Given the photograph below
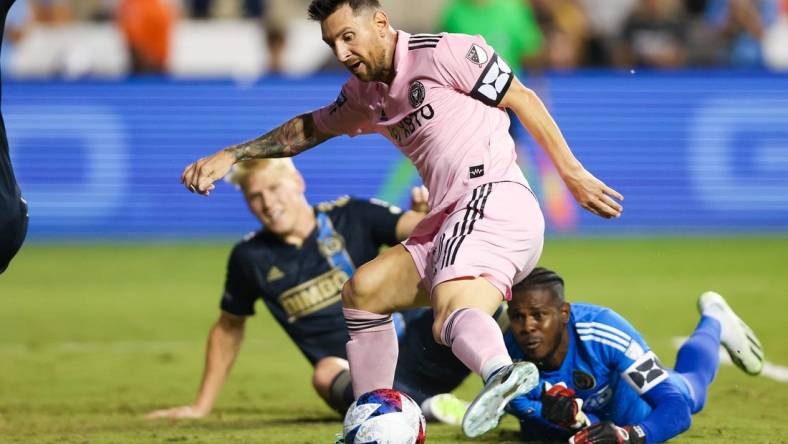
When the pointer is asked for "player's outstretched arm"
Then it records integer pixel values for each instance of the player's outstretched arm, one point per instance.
(590, 192)
(293, 137)
(224, 342)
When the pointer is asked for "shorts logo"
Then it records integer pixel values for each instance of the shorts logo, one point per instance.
(583, 380)
(477, 55)
(476, 171)
(645, 373)
(416, 94)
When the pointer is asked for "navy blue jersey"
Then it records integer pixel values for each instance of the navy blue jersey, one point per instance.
(607, 363)
(298, 284)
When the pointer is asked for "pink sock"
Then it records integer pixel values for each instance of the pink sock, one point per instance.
(476, 339)
(372, 350)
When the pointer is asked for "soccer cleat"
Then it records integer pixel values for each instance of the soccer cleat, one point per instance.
(486, 410)
(445, 408)
(339, 438)
(737, 338)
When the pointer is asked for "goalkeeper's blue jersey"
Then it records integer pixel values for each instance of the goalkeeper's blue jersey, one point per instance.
(607, 363)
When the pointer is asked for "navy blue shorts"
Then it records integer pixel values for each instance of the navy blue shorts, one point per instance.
(13, 212)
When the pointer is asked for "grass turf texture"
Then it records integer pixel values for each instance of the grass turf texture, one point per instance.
(93, 337)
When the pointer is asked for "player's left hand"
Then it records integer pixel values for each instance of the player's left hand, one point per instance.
(182, 412)
(198, 177)
(609, 433)
(419, 197)
(560, 406)
(593, 195)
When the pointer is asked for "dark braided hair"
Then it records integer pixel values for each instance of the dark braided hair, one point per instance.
(542, 278)
(319, 10)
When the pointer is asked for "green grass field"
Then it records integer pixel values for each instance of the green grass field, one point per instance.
(93, 337)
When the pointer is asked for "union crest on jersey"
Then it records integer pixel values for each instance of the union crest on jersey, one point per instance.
(416, 94)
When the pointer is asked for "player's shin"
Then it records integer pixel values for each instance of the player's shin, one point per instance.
(475, 338)
(372, 350)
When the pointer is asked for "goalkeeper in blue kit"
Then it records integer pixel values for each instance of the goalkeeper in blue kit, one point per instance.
(599, 381)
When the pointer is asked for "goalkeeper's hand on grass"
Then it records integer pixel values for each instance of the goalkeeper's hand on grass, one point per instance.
(609, 433)
(182, 412)
(560, 406)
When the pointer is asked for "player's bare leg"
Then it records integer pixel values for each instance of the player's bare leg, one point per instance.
(463, 321)
(387, 283)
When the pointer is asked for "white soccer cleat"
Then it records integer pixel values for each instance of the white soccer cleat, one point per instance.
(737, 338)
(445, 408)
(486, 410)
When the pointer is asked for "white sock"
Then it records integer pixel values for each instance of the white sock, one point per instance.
(493, 365)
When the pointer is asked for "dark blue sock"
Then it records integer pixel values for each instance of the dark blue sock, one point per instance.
(698, 359)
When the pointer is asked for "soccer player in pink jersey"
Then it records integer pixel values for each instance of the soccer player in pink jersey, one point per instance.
(440, 98)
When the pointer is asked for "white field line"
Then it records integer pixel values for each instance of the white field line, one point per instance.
(772, 371)
(84, 347)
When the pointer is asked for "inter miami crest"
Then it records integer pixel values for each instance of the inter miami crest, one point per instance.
(416, 94)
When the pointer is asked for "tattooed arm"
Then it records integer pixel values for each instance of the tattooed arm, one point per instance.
(293, 137)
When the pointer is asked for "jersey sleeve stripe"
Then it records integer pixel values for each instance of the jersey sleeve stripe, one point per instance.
(432, 45)
(604, 341)
(424, 39)
(606, 327)
(603, 334)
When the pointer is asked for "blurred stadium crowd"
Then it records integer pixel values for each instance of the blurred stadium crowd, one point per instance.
(249, 38)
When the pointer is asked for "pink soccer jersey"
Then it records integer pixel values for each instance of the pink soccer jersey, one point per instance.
(440, 111)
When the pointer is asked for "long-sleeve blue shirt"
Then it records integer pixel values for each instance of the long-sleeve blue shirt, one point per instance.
(612, 369)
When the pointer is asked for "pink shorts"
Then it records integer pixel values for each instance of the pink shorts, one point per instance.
(496, 231)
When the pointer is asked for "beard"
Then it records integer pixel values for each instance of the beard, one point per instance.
(376, 69)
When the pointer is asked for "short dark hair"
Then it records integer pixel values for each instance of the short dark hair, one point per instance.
(542, 278)
(319, 10)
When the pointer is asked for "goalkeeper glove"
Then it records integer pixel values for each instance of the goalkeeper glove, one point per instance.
(609, 433)
(560, 406)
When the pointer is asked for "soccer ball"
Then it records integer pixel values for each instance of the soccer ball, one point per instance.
(384, 416)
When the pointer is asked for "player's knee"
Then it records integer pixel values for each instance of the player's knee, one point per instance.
(360, 291)
(331, 380)
(326, 370)
(436, 332)
(437, 327)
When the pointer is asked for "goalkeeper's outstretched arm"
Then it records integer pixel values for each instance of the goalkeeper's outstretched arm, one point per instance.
(670, 416)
